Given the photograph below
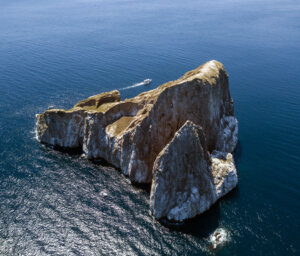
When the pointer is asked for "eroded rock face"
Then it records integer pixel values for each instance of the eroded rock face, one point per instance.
(130, 134)
(138, 134)
(65, 128)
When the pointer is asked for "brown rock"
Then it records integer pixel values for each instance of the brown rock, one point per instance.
(130, 134)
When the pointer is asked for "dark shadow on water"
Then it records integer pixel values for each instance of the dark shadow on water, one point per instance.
(63, 150)
(200, 226)
(232, 195)
(103, 163)
(143, 186)
(237, 154)
(69, 151)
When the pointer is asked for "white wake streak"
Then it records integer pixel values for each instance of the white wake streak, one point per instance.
(134, 85)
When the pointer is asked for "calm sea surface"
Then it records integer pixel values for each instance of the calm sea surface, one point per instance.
(58, 52)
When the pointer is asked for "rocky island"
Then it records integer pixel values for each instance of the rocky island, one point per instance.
(179, 137)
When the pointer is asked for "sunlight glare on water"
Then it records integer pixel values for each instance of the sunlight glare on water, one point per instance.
(55, 53)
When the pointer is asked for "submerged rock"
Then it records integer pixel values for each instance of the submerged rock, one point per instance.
(132, 134)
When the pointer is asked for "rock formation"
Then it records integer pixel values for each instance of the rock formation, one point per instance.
(186, 179)
(182, 185)
(137, 135)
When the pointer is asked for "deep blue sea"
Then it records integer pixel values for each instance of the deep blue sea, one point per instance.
(58, 52)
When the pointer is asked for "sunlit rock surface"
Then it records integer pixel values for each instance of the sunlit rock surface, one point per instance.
(65, 128)
(131, 134)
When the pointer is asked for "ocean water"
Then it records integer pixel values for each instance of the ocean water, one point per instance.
(58, 52)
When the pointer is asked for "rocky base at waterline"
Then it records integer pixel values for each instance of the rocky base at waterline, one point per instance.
(187, 179)
(179, 137)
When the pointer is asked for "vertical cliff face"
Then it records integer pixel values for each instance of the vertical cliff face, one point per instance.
(131, 134)
(183, 185)
(65, 128)
(202, 99)
(61, 128)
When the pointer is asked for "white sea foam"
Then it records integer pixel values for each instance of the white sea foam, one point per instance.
(103, 193)
(34, 132)
(83, 155)
(145, 82)
(219, 238)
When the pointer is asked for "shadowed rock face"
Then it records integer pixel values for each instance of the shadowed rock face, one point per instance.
(131, 134)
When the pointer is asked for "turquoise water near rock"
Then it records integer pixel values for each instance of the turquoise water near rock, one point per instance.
(58, 52)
